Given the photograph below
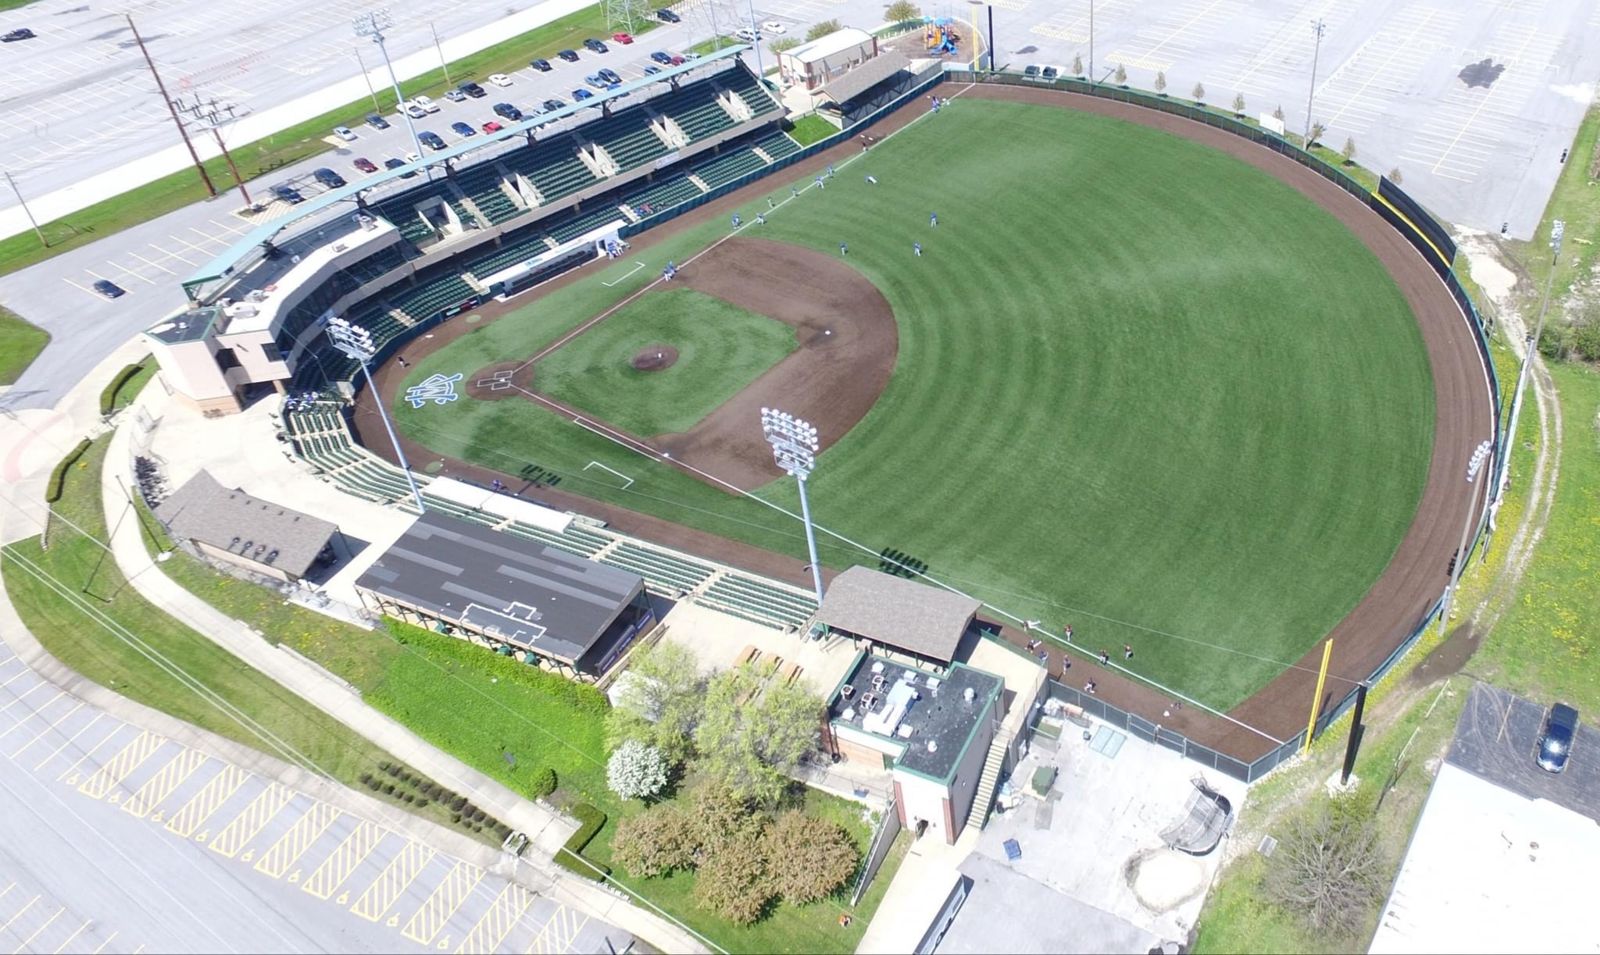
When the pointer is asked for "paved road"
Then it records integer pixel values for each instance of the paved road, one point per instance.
(115, 838)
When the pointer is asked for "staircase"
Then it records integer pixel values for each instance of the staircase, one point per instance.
(983, 799)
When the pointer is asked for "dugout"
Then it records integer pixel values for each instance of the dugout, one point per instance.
(866, 89)
(899, 617)
(517, 596)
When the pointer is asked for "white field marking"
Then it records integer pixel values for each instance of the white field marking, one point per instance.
(636, 267)
(597, 464)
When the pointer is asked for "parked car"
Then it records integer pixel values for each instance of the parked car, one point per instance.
(581, 94)
(651, 70)
(327, 177)
(104, 287)
(676, 59)
(667, 16)
(595, 80)
(463, 129)
(594, 46)
(492, 127)
(345, 133)
(414, 111)
(662, 57)
(1555, 740)
(542, 65)
(455, 96)
(365, 165)
(377, 122)
(691, 55)
(425, 102)
(1050, 72)
(623, 38)
(571, 56)
(392, 163)
(432, 140)
(474, 90)
(610, 76)
(747, 35)
(774, 27)
(499, 79)
(287, 193)
(507, 111)
(553, 103)
(23, 33)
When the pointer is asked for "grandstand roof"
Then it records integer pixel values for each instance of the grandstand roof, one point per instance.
(221, 267)
(865, 77)
(927, 621)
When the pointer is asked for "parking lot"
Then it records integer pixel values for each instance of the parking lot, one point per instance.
(115, 838)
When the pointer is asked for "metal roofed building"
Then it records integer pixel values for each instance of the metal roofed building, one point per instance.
(936, 729)
(925, 622)
(562, 611)
(815, 63)
(228, 524)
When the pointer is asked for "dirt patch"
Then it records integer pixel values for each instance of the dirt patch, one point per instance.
(655, 358)
(505, 379)
(1447, 658)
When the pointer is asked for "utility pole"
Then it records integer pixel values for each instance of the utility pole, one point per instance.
(368, 77)
(26, 211)
(1091, 39)
(162, 88)
(439, 50)
(1558, 229)
(372, 24)
(1317, 27)
(214, 116)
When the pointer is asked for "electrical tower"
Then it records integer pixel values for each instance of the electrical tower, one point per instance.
(627, 15)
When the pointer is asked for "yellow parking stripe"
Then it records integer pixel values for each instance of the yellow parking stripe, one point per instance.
(164, 783)
(497, 923)
(442, 904)
(392, 881)
(343, 860)
(205, 802)
(558, 933)
(127, 759)
(252, 820)
(306, 830)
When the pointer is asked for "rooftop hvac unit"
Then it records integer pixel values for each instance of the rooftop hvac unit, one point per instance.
(969, 694)
(256, 295)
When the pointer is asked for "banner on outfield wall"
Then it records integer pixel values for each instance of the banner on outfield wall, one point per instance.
(1271, 123)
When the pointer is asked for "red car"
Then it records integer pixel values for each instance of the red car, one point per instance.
(623, 38)
(677, 59)
(366, 165)
(492, 127)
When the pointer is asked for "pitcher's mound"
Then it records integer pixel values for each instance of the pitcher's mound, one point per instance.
(655, 358)
(506, 379)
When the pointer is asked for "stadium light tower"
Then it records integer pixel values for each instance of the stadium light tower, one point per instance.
(356, 342)
(1558, 229)
(372, 24)
(1480, 456)
(1317, 28)
(794, 449)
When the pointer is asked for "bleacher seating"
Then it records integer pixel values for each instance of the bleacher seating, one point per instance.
(593, 219)
(733, 163)
(554, 168)
(663, 571)
(374, 266)
(664, 195)
(424, 300)
(777, 144)
(628, 138)
(507, 255)
(756, 600)
(400, 209)
(481, 183)
(750, 90)
(698, 113)
(576, 539)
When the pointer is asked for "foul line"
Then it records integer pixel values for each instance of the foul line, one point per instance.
(636, 267)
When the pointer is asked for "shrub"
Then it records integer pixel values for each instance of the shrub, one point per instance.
(636, 770)
(388, 789)
(391, 769)
(809, 857)
(459, 803)
(58, 477)
(570, 857)
(409, 797)
(366, 778)
(653, 843)
(734, 882)
(108, 397)
(542, 782)
(374, 785)
(820, 30)
(455, 817)
(405, 776)
(478, 815)
(422, 803)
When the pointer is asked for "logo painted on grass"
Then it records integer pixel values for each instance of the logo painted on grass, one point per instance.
(435, 388)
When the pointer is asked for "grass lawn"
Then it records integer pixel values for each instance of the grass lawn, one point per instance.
(20, 344)
(1577, 203)
(1177, 463)
(812, 128)
(293, 144)
(721, 349)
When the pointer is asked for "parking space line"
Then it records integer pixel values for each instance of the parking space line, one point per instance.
(491, 930)
(343, 860)
(306, 830)
(442, 904)
(107, 942)
(154, 265)
(70, 777)
(70, 740)
(36, 711)
(208, 237)
(165, 781)
(205, 802)
(251, 820)
(80, 288)
(47, 730)
(392, 881)
(18, 913)
(23, 695)
(119, 766)
(180, 239)
(36, 931)
(71, 938)
(20, 673)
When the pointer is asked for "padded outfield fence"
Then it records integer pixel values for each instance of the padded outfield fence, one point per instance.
(1432, 241)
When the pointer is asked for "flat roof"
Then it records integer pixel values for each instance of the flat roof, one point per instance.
(825, 46)
(900, 613)
(915, 708)
(190, 325)
(535, 597)
(231, 520)
(222, 265)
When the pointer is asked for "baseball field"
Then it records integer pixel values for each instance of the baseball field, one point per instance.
(1130, 383)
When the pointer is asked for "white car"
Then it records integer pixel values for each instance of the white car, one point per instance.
(500, 79)
(344, 133)
(747, 35)
(413, 157)
(426, 103)
(415, 111)
(774, 27)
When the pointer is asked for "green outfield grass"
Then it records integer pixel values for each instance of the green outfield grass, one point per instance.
(1141, 388)
(721, 349)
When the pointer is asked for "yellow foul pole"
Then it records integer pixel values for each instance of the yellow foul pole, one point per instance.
(1316, 701)
(976, 56)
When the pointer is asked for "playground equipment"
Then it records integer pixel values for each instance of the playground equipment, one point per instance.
(940, 35)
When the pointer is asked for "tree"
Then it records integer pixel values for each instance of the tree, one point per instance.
(637, 770)
(1349, 150)
(901, 11)
(658, 841)
(822, 29)
(1199, 93)
(809, 858)
(1238, 104)
(1329, 867)
(1394, 175)
(734, 882)
(785, 43)
(1317, 129)
(1121, 76)
(659, 701)
(1161, 83)
(752, 733)
(1077, 64)
(721, 817)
